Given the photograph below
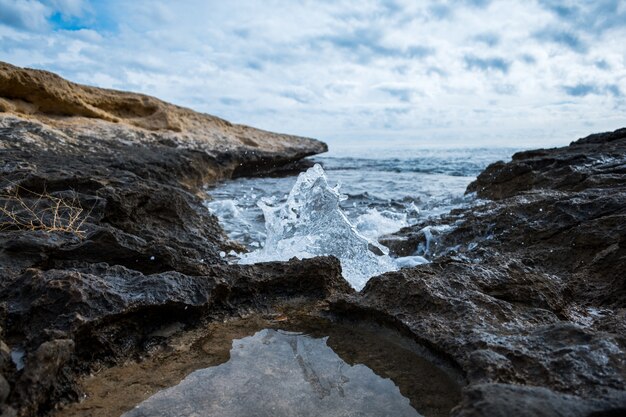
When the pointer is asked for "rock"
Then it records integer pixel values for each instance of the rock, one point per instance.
(7, 371)
(104, 236)
(77, 300)
(501, 400)
(524, 292)
(71, 114)
(594, 162)
(452, 308)
(44, 377)
(5, 389)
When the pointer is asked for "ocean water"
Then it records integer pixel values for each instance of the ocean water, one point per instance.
(366, 193)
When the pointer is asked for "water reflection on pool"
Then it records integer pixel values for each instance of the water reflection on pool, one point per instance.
(278, 373)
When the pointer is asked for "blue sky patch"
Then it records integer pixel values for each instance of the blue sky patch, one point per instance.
(564, 38)
(66, 23)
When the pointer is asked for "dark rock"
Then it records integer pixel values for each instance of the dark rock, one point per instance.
(44, 378)
(501, 400)
(456, 309)
(525, 289)
(74, 299)
(597, 161)
(5, 389)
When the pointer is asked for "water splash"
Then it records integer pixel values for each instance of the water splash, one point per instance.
(373, 223)
(311, 223)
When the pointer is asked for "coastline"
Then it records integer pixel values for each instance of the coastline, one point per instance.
(515, 314)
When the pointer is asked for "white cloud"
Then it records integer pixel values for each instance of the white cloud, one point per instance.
(347, 70)
(24, 14)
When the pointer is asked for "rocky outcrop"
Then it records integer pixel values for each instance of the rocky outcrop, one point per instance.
(103, 232)
(123, 117)
(592, 163)
(526, 291)
(80, 120)
(72, 318)
(105, 247)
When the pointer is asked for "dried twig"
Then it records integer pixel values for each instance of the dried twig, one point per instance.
(42, 211)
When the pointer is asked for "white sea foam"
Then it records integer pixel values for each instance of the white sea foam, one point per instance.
(374, 224)
(236, 222)
(431, 234)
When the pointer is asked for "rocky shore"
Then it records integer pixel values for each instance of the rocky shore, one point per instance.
(103, 235)
(105, 242)
(526, 291)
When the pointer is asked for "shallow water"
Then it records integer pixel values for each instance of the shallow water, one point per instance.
(278, 365)
(276, 373)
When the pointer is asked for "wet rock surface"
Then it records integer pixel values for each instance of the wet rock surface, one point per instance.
(526, 291)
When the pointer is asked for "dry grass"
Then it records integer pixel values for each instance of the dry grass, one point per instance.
(28, 210)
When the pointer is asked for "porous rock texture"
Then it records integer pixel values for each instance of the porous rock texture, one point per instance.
(527, 289)
(104, 237)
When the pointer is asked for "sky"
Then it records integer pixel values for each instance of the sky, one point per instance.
(352, 73)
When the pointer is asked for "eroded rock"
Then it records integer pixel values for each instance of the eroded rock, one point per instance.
(104, 236)
(525, 289)
(502, 400)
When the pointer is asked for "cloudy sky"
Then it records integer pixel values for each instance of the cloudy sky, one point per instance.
(456, 72)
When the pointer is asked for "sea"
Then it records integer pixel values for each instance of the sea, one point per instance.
(373, 191)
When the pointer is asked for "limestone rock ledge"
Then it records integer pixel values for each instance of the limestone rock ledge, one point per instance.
(78, 119)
